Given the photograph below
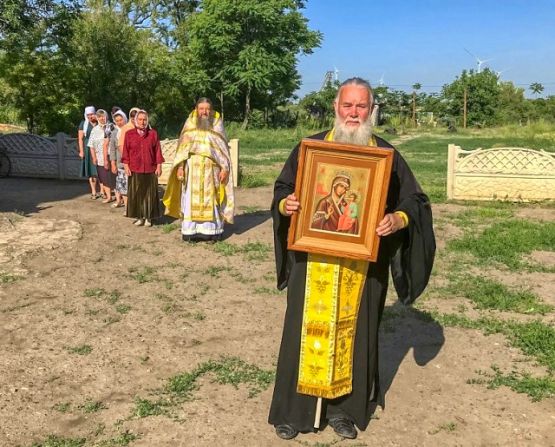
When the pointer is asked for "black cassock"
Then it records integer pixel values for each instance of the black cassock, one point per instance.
(409, 252)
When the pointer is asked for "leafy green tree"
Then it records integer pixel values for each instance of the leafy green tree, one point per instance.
(415, 88)
(248, 48)
(319, 105)
(536, 88)
(33, 67)
(512, 106)
(482, 96)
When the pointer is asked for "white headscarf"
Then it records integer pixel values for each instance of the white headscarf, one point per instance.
(88, 110)
(141, 131)
(122, 114)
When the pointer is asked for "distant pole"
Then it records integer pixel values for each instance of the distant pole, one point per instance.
(414, 109)
(465, 106)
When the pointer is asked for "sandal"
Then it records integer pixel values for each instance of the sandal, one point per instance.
(116, 205)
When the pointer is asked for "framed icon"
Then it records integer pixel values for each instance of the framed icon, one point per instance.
(342, 190)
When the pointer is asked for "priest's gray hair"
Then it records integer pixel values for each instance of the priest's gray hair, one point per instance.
(356, 81)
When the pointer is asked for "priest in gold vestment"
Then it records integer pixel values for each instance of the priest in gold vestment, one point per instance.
(200, 185)
(329, 346)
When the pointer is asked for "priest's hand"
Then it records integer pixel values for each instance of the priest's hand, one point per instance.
(158, 171)
(180, 173)
(127, 170)
(224, 176)
(390, 224)
(292, 205)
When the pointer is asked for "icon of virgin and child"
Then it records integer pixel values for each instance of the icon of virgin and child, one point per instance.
(338, 211)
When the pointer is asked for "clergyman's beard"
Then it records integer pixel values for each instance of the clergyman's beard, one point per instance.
(359, 135)
(205, 123)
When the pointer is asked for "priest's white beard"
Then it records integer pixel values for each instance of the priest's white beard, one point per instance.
(359, 135)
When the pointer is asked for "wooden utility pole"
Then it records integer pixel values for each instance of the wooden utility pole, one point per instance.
(414, 109)
(464, 106)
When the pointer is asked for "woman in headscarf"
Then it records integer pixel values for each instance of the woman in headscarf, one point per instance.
(88, 169)
(142, 159)
(98, 142)
(115, 158)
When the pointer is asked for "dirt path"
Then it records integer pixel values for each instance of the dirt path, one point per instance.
(107, 312)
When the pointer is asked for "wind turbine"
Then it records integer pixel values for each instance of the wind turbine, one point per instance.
(380, 81)
(479, 61)
(498, 73)
(336, 73)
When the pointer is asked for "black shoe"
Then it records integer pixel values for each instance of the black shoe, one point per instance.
(344, 427)
(286, 431)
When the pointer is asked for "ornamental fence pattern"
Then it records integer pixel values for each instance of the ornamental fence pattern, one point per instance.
(504, 173)
(58, 157)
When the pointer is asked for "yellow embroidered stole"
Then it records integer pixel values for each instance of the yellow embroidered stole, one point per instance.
(201, 182)
(332, 298)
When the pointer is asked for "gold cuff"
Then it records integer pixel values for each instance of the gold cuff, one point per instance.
(404, 217)
(281, 207)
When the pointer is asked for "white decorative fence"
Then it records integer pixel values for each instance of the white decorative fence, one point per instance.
(505, 173)
(58, 156)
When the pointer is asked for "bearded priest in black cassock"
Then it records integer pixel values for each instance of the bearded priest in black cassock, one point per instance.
(407, 246)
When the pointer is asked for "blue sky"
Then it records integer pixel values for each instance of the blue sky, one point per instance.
(424, 41)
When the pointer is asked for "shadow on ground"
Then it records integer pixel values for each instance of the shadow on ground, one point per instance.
(410, 329)
(27, 195)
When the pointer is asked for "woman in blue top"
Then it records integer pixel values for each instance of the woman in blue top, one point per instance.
(88, 169)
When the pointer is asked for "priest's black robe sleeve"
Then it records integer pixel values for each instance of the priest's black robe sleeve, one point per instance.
(412, 250)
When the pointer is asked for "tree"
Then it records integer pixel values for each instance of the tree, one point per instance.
(249, 48)
(415, 88)
(319, 105)
(536, 88)
(482, 91)
(512, 107)
(32, 62)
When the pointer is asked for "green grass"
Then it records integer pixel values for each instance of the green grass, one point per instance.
(145, 407)
(121, 440)
(537, 388)
(447, 427)
(169, 227)
(62, 407)
(263, 290)
(505, 242)
(90, 406)
(534, 338)
(215, 270)
(57, 441)
(123, 308)
(252, 251)
(484, 214)
(226, 370)
(489, 294)
(143, 274)
(95, 292)
(8, 278)
(81, 350)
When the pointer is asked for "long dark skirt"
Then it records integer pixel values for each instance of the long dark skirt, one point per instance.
(290, 407)
(88, 168)
(142, 196)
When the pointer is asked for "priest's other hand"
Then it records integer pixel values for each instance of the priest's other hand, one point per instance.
(224, 176)
(292, 205)
(390, 224)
